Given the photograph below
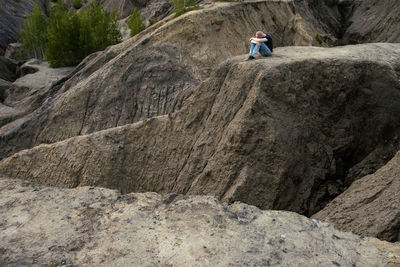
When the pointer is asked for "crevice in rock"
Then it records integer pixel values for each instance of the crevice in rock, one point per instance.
(352, 163)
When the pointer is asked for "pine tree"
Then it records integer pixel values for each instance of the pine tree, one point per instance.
(136, 23)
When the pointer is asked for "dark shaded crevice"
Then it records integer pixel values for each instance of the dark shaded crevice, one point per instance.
(352, 163)
(346, 10)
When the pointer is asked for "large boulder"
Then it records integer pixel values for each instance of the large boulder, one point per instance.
(153, 73)
(371, 206)
(279, 132)
(95, 226)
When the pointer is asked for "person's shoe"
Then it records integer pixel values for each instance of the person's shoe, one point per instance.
(250, 58)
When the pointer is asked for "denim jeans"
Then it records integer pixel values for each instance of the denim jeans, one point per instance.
(263, 49)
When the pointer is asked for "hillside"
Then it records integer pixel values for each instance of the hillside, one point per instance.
(149, 75)
(170, 148)
(280, 133)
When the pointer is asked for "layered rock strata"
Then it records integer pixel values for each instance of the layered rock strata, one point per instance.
(280, 132)
(151, 74)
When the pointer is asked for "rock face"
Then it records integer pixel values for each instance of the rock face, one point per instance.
(94, 226)
(153, 73)
(344, 22)
(373, 21)
(12, 14)
(150, 10)
(371, 206)
(8, 69)
(28, 93)
(279, 132)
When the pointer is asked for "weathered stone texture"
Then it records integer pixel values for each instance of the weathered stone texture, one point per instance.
(93, 226)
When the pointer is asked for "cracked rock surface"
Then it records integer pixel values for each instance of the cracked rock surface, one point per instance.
(371, 206)
(280, 133)
(95, 226)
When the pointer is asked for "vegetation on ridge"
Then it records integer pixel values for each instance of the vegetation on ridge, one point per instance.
(182, 6)
(66, 38)
(136, 23)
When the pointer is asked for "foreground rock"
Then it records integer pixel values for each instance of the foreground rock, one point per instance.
(371, 206)
(154, 72)
(94, 226)
(279, 132)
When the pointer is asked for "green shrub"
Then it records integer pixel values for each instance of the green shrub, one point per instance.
(62, 46)
(71, 37)
(136, 23)
(182, 6)
(319, 38)
(77, 4)
(34, 32)
(273, 17)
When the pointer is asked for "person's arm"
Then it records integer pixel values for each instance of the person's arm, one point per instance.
(259, 40)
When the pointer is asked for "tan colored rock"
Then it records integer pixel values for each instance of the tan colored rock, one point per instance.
(94, 226)
(28, 93)
(371, 206)
(279, 132)
(153, 73)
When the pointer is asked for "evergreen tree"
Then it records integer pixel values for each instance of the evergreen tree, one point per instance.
(136, 23)
(71, 37)
(34, 32)
(62, 47)
(182, 6)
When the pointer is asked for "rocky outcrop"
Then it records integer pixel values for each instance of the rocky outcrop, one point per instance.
(8, 69)
(20, 99)
(373, 21)
(149, 9)
(95, 226)
(16, 51)
(280, 132)
(153, 73)
(4, 87)
(353, 21)
(371, 206)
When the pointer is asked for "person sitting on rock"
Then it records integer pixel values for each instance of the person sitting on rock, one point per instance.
(258, 44)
